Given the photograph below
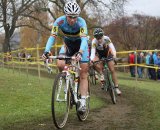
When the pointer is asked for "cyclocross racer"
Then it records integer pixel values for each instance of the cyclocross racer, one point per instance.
(103, 46)
(74, 30)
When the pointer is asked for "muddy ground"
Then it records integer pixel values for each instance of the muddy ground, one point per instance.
(110, 117)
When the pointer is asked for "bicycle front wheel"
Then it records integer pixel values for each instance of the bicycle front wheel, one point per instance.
(112, 94)
(60, 101)
(110, 86)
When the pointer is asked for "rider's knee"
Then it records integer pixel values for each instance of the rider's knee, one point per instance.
(60, 64)
(84, 74)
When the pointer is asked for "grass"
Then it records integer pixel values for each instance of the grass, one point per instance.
(27, 101)
(145, 96)
(24, 99)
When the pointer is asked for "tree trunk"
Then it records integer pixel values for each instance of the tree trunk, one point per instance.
(6, 44)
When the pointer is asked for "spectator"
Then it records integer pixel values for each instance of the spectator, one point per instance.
(28, 56)
(157, 62)
(147, 62)
(131, 60)
(140, 61)
(152, 70)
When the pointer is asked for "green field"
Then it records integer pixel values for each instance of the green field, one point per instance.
(145, 96)
(27, 100)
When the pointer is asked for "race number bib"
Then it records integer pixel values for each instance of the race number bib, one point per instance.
(54, 30)
(83, 32)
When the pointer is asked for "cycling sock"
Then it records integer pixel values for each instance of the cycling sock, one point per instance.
(83, 100)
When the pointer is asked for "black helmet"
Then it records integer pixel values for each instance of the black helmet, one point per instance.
(98, 33)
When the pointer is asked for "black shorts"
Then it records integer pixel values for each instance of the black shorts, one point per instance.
(72, 47)
(104, 54)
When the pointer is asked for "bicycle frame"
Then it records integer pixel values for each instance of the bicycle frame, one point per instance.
(108, 83)
(70, 71)
(69, 80)
(108, 72)
(66, 87)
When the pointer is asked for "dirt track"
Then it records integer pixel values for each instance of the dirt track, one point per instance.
(110, 117)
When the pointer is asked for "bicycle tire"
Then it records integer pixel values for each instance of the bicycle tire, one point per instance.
(93, 78)
(83, 116)
(60, 101)
(110, 86)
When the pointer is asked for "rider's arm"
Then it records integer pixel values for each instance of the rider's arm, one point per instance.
(113, 49)
(53, 35)
(111, 46)
(83, 35)
(93, 50)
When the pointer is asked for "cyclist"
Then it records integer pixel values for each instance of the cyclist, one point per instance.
(103, 47)
(75, 32)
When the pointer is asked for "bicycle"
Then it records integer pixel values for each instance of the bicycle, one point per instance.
(108, 84)
(65, 93)
(92, 75)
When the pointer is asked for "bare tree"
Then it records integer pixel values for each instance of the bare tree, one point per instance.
(101, 10)
(137, 31)
(15, 13)
(11, 12)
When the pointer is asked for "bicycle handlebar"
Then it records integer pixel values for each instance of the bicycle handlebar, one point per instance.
(106, 60)
(62, 57)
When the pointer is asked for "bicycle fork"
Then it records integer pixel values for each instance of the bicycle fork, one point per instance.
(65, 89)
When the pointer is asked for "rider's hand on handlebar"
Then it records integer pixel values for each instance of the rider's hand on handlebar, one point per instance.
(45, 55)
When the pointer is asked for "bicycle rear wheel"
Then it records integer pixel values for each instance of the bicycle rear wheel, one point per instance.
(92, 75)
(83, 116)
(60, 101)
(110, 86)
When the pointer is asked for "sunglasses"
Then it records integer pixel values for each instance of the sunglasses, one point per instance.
(98, 36)
(72, 17)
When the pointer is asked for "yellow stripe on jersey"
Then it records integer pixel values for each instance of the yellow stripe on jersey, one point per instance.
(70, 35)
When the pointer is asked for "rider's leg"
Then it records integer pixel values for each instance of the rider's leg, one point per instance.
(114, 76)
(99, 66)
(61, 63)
(113, 72)
(84, 79)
